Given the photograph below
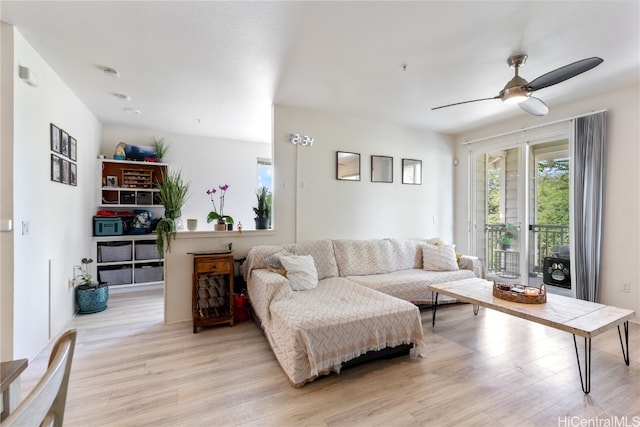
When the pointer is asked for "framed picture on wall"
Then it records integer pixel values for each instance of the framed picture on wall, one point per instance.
(412, 171)
(73, 149)
(55, 138)
(64, 143)
(55, 168)
(73, 174)
(347, 166)
(64, 171)
(381, 169)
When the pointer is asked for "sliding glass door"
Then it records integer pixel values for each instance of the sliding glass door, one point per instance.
(498, 214)
(521, 211)
(549, 244)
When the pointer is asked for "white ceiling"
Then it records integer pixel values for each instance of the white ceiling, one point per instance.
(216, 68)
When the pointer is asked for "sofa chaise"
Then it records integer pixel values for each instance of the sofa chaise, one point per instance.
(324, 303)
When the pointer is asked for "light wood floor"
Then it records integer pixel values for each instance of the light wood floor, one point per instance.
(490, 369)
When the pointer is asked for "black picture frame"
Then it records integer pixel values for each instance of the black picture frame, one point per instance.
(73, 149)
(64, 171)
(55, 168)
(64, 143)
(73, 174)
(347, 166)
(55, 138)
(412, 171)
(382, 169)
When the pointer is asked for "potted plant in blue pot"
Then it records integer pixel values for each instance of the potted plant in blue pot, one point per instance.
(91, 296)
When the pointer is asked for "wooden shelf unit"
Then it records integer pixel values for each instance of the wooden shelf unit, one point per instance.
(128, 260)
(212, 293)
(127, 184)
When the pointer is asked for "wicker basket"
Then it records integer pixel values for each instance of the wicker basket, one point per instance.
(525, 295)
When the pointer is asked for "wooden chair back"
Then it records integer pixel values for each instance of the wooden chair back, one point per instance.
(44, 406)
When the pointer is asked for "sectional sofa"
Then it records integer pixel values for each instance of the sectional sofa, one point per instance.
(324, 303)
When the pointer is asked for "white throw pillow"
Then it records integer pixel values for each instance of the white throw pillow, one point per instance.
(439, 258)
(301, 272)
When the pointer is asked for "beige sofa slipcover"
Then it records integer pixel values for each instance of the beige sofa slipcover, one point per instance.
(364, 301)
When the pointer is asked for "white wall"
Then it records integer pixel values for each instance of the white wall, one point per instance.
(309, 203)
(323, 207)
(621, 242)
(6, 192)
(206, 163)
(59, 216)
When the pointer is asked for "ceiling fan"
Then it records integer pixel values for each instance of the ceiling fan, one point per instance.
(518, 90)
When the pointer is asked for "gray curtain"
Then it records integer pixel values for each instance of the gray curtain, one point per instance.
(588, 177)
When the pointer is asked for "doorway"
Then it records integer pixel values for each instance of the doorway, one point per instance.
(522, 219)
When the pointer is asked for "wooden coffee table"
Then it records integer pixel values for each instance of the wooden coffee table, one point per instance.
(578, 317)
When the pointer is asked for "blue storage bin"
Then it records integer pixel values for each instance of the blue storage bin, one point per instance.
(107, 226)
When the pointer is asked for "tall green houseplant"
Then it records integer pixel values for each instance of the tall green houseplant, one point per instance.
(263, 210)
(173, 194)
(161, 147)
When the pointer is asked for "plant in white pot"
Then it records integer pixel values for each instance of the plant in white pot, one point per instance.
(91, 296)
(173, 193)
(222, 220)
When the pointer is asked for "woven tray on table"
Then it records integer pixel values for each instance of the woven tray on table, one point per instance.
(520, 293)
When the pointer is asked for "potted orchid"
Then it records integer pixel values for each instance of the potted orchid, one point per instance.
(223, 221)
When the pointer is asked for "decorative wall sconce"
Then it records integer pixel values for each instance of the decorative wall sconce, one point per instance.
(298, 139)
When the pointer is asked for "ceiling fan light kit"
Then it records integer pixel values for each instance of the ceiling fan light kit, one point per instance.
(514, 95)
(518, 90)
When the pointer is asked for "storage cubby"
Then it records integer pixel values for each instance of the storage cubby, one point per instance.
(128, 260)
(114, 275)
(146, 273)
(124, 183)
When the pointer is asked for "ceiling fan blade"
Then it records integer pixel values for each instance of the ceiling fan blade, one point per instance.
(564, 73)
(534, 106)
(465, 102)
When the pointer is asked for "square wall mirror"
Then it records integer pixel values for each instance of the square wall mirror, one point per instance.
(411, 171)
(381, 169)
(347, 166)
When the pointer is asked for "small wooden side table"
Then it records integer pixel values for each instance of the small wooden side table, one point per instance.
(212, 293)
(10, 384)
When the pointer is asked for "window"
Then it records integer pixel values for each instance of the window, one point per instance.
(265, 173)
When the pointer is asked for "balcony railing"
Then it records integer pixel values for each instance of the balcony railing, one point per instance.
(545, 240)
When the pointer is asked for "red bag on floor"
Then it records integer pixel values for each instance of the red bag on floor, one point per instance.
(241, 311)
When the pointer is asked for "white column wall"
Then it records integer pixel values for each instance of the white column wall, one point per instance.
(58, 215)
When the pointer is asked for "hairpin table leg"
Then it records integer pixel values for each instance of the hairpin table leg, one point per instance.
(586, 382)
(625, 347)
(434, 298)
